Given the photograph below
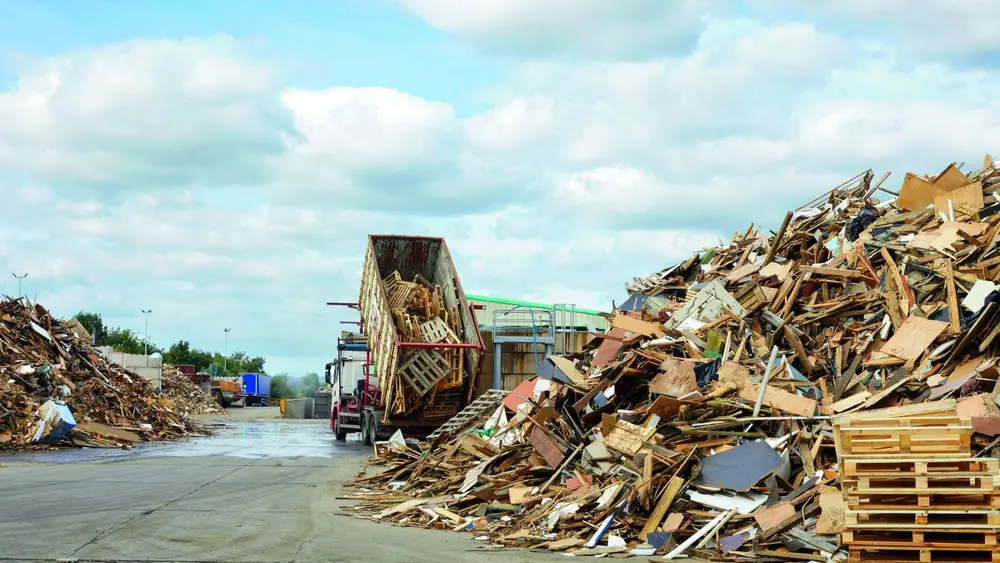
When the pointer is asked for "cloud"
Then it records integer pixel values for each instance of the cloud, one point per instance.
(142, 115)
(183, 175)
(586, 28)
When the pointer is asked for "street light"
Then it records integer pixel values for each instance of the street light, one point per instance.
(145, 344)
(19, 278)
(225, 353)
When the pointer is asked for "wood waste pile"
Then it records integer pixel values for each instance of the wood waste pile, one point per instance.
(55, 389)
(702, 424)
(187, 397)
(420, 315)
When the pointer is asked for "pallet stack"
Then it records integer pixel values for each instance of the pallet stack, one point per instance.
(914, 491)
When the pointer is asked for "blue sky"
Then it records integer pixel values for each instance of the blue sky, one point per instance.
(221, 163)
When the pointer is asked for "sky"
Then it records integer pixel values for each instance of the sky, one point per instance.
(222, 163)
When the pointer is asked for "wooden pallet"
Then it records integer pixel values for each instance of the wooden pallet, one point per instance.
(880, 437)
(435, 330)
(854, 466)
(484, 404)
(919, 536)
(922, 555)
(893, 501)
(940, 519)
(423, 369)
(932, 484)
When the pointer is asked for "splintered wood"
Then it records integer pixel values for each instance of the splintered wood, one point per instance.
(752, 402)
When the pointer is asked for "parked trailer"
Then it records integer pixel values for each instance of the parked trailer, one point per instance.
(371, 403)
(256, 388)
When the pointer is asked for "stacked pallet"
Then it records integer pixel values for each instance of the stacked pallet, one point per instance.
(420, 315)
(915, 492)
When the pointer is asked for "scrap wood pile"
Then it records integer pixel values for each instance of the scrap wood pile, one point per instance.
(702, 423)
(55, 388)
(420, 315)
(187, 398)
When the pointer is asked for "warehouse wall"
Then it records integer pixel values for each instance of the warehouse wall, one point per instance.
(518, 360)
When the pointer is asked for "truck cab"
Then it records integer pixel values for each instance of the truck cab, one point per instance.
(346, 376)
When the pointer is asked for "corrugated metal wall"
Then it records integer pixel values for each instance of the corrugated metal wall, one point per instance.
(518, 360)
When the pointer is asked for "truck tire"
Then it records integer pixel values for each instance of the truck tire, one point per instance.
(367, 437)
(337, 430)
(218, 398)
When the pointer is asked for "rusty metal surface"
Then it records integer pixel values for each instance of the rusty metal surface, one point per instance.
(408, 254)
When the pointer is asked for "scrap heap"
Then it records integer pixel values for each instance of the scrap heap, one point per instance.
(187, 397)
(702, 423)
(420, 315)
(55, 388)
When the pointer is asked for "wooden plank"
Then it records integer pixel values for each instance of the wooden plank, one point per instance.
(955, 324)
(662, 505)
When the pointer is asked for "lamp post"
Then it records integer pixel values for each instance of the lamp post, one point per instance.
(19, 279)
(145, 343)
(225, 353)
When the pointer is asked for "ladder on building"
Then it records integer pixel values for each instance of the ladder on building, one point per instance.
(476, 410)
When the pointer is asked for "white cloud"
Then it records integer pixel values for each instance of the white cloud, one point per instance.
(143, 114)
(189, 180)
(571, 27)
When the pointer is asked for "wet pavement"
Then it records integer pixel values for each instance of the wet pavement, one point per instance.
(248, 439)
(255, 490)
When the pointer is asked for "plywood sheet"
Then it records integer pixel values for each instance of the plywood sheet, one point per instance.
(676, 380)
(634, 325)
(781, 400)
(951, 178)
(967, 200)
(773, 516)
(917, 193)
(914, 337)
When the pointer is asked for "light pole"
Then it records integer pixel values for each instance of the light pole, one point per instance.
(19, 279)
(145, 344)
(225, 353)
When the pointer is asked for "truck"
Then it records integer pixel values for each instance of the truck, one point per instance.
(256, 389)
(226, 391)
(419, 348)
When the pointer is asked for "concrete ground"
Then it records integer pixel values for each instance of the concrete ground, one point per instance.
(259, 489)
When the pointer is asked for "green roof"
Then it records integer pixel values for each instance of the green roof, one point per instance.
(519, 303)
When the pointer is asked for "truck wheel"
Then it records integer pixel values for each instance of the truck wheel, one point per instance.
(366, 430)
(341, 434)
(219, 399)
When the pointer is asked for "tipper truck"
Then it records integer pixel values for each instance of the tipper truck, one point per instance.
(419, 347)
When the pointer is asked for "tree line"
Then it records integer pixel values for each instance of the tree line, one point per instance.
(179, 353)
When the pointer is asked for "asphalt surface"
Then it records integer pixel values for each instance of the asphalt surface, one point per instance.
(257, 489)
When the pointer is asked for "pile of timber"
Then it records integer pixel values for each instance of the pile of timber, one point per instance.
(420, 315)
(185, 397)
(55, 389)
(702, 423)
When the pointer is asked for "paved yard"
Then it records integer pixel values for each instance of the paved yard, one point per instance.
(259, 489)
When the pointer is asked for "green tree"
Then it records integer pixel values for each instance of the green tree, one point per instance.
(309, 384)
(123, 340)
(94, 324)
(281, 387)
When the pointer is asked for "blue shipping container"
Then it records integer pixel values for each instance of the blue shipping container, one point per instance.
(256, 384)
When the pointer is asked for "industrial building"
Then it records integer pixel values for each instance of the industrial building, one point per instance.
(525, 332)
